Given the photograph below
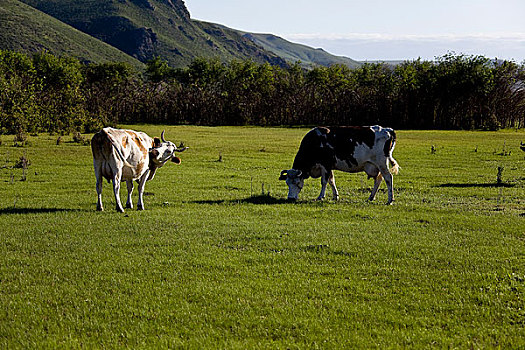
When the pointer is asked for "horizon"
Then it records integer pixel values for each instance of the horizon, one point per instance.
(406, 30)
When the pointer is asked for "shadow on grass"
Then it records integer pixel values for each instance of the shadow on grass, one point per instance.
(8, 211)
(262, 199)
(471, 185)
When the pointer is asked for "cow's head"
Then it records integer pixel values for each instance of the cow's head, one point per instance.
(295, 182)
(163, 150)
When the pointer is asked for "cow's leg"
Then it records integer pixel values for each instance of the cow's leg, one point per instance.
(116, 189)
(331, 181)
(377, 181)
(324, 181)
(129, 204)
(389, 182)
(142, 183)
(100, 207)
(98, 175)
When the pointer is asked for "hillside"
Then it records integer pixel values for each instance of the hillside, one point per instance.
(145, 29)
(293, 52)
(23, 28)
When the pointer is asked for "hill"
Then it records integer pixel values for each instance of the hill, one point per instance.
(293, 52)
(141, 30)
(145, 29)
(24, 28)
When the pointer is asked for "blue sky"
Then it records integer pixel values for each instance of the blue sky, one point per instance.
(377, 29)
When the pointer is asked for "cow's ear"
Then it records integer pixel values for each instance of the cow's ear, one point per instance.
(176, 160)
(154, 153)
(156, 142)
(283, 175)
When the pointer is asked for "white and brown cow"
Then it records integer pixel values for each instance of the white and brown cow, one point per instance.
(127, 155)
(351, 149)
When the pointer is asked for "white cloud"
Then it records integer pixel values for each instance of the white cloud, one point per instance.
(408, 37)
(372, 46)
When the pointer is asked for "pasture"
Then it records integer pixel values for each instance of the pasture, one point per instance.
(219, 259)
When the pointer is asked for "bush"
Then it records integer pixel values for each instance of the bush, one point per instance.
(62, 95)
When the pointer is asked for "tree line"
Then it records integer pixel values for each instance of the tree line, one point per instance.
(46, 93)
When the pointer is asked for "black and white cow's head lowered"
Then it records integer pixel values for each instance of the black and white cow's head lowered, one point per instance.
(349, 149)
(295, 182)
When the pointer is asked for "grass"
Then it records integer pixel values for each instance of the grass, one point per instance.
(214, 263)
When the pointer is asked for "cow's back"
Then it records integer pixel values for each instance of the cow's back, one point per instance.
(345, 148)
(311, 150)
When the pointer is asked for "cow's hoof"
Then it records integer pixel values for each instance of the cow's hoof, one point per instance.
(120, 210)
(129, 206)
(100, 209)
(140, 207)
(390, 202)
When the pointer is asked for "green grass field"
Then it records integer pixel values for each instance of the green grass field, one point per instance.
(212, 263)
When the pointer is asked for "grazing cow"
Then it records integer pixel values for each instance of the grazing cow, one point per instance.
(350, 149)
(127, 155)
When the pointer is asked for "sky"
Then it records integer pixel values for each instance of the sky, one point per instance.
(378, 29)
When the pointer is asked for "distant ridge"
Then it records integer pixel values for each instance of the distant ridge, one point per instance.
(146, 29)
(293, 52)
(140, 30)
(26, 29)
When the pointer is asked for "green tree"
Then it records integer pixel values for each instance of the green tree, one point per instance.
(61, 99)
(19, 110)
(109, 89)
(158, 70)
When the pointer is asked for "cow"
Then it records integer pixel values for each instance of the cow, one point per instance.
(127, 155)
(350, 149)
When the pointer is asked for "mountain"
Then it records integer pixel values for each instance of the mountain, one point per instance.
(145, 29)
(293, 52)
(23, 28)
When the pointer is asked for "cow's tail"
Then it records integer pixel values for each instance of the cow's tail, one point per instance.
(118, 150)
(395, 167)
(389, 148)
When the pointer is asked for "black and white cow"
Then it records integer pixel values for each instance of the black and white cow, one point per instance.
(351, 149)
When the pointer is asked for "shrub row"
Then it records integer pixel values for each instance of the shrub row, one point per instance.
(60, 94)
